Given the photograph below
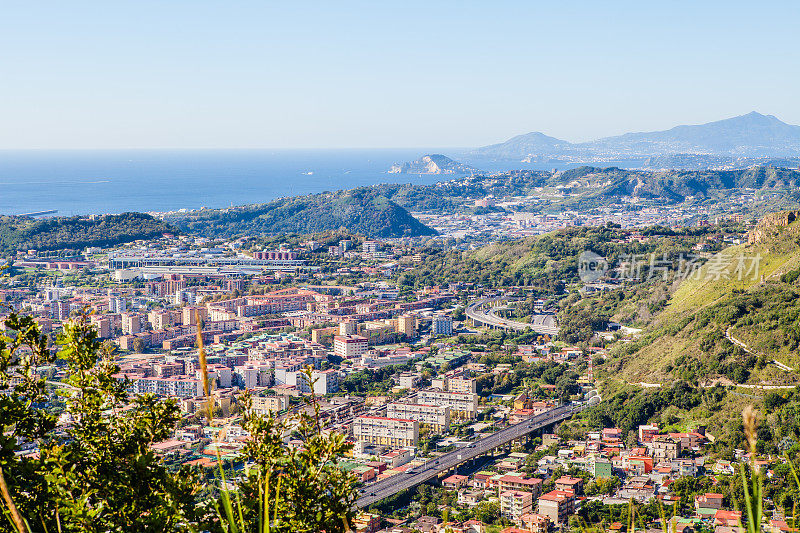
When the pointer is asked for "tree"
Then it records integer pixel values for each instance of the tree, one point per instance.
(138, 345)
(103, 476)
(305, 488)
(487, 512)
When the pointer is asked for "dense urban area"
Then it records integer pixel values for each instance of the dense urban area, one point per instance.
(480, 388)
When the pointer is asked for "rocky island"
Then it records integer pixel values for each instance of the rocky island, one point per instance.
(432, 164)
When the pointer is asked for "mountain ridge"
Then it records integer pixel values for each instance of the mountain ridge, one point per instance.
(750, 135)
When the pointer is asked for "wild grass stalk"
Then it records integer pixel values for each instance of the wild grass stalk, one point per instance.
(753, 491)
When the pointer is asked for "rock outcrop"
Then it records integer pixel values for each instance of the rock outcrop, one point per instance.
(770, 224)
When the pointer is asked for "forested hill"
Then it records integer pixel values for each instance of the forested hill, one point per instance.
(22, 233)
(364, 211)
(591, 186)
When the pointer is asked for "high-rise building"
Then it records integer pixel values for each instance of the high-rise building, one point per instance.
(407, 324)
(441, 325)
(131, 324)
(348, 327)
(103, 326)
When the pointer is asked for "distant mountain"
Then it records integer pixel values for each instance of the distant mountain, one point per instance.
(534, 143)
(432, 164)
(748, 136)
(363, 211)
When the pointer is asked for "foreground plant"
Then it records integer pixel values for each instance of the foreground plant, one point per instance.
(99, 474)
(754, 490)
(297, 488)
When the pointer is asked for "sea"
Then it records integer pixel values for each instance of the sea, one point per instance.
(82, 182)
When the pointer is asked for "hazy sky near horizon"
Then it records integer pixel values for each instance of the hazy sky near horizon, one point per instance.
(259, 74)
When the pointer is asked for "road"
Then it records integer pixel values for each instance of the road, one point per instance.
(481, 311)
(431, 469)
(744, 347)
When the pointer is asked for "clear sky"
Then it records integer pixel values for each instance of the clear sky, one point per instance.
(295, 74)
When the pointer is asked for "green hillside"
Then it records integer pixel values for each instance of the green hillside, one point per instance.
(362, 211)
(687, 340)
(22, 233)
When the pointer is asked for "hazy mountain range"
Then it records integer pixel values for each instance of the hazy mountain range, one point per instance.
(752, 135)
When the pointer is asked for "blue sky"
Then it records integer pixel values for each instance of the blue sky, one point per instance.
(242, 74)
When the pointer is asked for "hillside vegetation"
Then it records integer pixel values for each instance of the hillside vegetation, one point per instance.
(362, 211)
(21, 233)
(761, 310)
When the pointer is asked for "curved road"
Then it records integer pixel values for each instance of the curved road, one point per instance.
(744, 347)
(481, 312)
(431, 469)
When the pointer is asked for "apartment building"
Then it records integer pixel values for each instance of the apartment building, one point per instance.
(461, 404)
(103, 326)
(557, 505)
(407, 324)
(515, 503)
(665, 447)
(462, 384)
(131, 324)
(435, 416)
(386, 431)
(253, 374)
(323, 381)
(180, 386)
(350, 346)
(570, 483)
(511, 482)
(441, 325)
(263, 405)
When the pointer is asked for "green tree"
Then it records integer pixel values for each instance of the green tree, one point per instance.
(305, 488)
(103, 476)
(487, 512)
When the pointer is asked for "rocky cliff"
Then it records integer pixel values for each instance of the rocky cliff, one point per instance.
(770, 224)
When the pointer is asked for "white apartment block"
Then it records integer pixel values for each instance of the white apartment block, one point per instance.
(435, 416)
(461, 404)
(350, 346)
(252, 375)
(386, 431)
(324, 381)
(180, 386)
(441, 325)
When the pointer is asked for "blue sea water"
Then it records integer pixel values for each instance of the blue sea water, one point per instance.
(80, 182)
(114, 181)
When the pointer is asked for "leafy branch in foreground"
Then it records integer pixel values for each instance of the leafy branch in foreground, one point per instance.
(97, 472)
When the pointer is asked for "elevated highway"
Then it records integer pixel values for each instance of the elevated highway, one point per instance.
(433, 468)
(483, 312)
